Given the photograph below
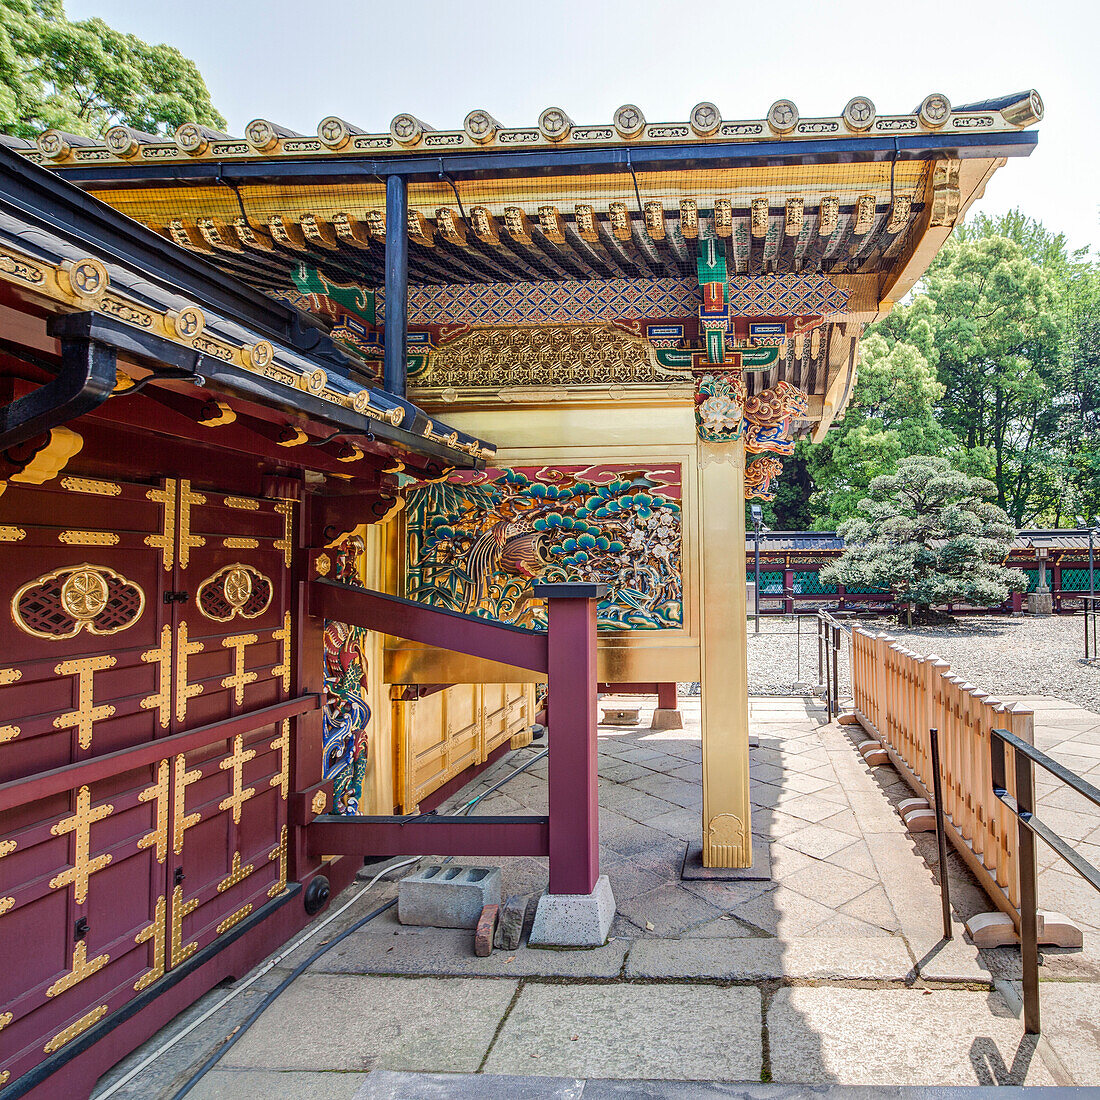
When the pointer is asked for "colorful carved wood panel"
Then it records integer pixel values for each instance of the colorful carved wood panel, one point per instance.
(477, 541)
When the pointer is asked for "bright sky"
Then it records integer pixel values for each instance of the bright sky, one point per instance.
(366, 61)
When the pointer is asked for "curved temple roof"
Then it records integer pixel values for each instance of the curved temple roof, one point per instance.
(827, 221)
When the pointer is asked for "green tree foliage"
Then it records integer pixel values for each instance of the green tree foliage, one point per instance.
(83, 77)
(892, 414)
(931, 535)
(994, 362)
(988, 322)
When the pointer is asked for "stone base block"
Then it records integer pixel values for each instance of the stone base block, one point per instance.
(847, 720)
(1040, 603)
(447, 895)
(997, 930)
(574, 920)
(992, 930)
(908, 805)
(619, 716)
(873, 753)
(1057, 930)
(665, 719)
(921, 821)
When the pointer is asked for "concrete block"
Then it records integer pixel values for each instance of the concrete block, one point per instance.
(1057, 930)
(920, 821)
(619, 716)
(876, 757)
(847, 720)
(992, 930)
(510, 926)
(667, 719)
(447, 895)
(486, 931)
(574, 920)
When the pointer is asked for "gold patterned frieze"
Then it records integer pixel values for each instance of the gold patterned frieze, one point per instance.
(84, 283)
(551, 355)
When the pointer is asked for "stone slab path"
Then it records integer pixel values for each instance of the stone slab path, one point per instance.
(832, 973)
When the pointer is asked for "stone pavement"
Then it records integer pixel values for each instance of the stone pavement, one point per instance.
(832, 973)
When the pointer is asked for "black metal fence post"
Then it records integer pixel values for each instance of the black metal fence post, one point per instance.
(1029, 899)
(941, 835)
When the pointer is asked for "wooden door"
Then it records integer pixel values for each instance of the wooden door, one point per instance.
(150, 610)
(82, 869)
(233, 632)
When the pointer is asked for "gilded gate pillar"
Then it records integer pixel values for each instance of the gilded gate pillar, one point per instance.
(727, 836)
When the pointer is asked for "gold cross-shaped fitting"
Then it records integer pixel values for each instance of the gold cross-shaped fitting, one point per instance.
(86, 713)
(239, 794)
(80, 825)
(239, 678)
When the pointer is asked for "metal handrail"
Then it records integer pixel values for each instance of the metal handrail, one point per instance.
(1091, 613)
(829, 633)
(1022, 805)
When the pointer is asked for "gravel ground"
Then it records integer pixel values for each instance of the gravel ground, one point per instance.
(1005, 655)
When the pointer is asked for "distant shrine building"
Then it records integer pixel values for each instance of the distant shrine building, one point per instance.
(241, 377)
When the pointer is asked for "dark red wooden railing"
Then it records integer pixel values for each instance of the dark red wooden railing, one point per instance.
(566, 654)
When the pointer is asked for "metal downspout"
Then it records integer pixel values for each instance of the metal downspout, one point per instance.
(86, 379)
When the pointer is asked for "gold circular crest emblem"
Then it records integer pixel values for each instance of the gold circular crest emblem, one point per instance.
(237, 587)
(84, 594)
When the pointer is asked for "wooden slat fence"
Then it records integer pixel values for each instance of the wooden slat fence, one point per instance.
(899, 695)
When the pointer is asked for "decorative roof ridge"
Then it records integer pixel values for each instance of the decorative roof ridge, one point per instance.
(267, 140)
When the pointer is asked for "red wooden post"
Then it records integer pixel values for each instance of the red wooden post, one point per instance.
(571, 674)
(788, 591)
(666, 696)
